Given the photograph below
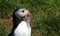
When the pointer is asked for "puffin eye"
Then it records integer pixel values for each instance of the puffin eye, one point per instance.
(23, 11)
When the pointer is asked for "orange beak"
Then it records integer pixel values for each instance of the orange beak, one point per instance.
(30, 15)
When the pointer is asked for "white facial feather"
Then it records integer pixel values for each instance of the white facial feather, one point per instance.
(22, 12)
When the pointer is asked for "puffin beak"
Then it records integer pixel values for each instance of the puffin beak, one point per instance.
(30, 15)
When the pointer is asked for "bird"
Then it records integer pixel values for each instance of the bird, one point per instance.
(21, 22)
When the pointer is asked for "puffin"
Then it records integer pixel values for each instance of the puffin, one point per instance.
(21, 22)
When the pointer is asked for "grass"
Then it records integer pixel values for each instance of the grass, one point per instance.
(4, 27)
(46, 15)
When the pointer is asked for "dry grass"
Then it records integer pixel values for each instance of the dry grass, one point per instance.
(6, 21)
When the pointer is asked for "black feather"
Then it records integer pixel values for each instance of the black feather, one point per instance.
(16, 22)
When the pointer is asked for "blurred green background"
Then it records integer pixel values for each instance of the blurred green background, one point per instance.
(46, 16)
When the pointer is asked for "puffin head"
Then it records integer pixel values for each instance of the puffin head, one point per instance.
(23, 13)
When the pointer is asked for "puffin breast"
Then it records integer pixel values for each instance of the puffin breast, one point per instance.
(22, 30)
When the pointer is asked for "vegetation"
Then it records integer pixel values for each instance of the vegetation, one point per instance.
(46, 15)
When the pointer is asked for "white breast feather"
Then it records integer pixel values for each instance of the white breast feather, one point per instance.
(22, 30)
